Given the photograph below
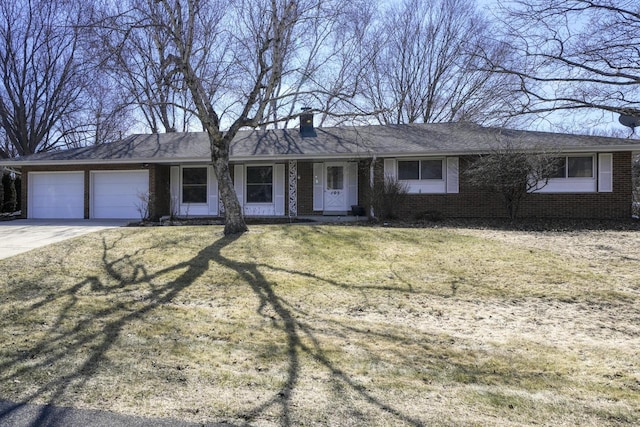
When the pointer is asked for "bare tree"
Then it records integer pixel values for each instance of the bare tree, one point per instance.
(242, 63)
(194, 25)
(338, 49)
(140, 63)
(41, 79)
(513, 172)
(428, 69)
(105, 115)
(575, 54)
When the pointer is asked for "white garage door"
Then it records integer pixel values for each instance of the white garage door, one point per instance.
(56, 195)
(118, 194)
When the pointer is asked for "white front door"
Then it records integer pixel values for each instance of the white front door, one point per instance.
(335, 189)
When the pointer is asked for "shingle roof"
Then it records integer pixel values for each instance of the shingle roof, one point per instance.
(338, 142)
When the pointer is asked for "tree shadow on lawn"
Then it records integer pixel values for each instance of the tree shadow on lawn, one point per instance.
(112, 320)
(83, 336)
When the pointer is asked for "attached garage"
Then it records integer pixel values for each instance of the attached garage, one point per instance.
(56, 195)
(118, 194)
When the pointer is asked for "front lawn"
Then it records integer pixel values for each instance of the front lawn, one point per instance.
(328, 325)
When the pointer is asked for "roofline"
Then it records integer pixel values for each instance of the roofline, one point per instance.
(8, 163)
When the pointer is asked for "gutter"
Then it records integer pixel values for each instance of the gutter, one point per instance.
(177, 160)
(16, 164)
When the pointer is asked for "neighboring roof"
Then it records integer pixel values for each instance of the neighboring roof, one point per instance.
(339, 142)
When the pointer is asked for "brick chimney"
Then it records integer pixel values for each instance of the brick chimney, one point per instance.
(306, 123)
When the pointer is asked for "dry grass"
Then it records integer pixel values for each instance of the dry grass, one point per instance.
(328, 325)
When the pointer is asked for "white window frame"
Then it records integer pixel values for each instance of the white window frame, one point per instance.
(420, 160)
(212, 204)
(278, 180)
(572, 184)
(566, 166)
(246, 192)
(423, 186)
(182, 202)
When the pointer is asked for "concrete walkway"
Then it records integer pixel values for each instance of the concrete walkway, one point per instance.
(22, 235)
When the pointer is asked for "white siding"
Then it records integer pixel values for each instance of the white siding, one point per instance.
(427, 186)
(569, 185)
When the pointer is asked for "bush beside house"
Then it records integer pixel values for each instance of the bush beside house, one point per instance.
(9, 193)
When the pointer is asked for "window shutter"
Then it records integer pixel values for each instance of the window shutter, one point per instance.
(212, 188)
(278, 189)
(352, 174)
(453, 178)
(318, 186)
(238, 183)
(605, 173)
(390, 168)
(174, 185)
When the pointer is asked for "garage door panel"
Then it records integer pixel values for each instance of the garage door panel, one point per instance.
(119, 194)
(56, 195)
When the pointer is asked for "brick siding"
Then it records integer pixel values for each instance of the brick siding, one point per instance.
(159, 191)
(305, 189)
(474, 202)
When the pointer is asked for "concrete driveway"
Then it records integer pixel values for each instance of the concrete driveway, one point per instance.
(22, 235)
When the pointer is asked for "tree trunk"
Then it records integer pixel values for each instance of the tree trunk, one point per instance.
(234, 220)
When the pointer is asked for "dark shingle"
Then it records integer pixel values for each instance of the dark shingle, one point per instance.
(348, 142)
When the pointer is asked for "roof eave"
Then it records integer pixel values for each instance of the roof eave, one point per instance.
(286, 157)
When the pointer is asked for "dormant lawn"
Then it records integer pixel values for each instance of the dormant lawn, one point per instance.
(329, 325)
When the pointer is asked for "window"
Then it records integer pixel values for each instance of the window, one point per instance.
(573, 167)
(408, 170)
(419, 169)
(259, 184)
(580, 167)
(194, 185)
(431, 169)
(335, 178)
(559, 168)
